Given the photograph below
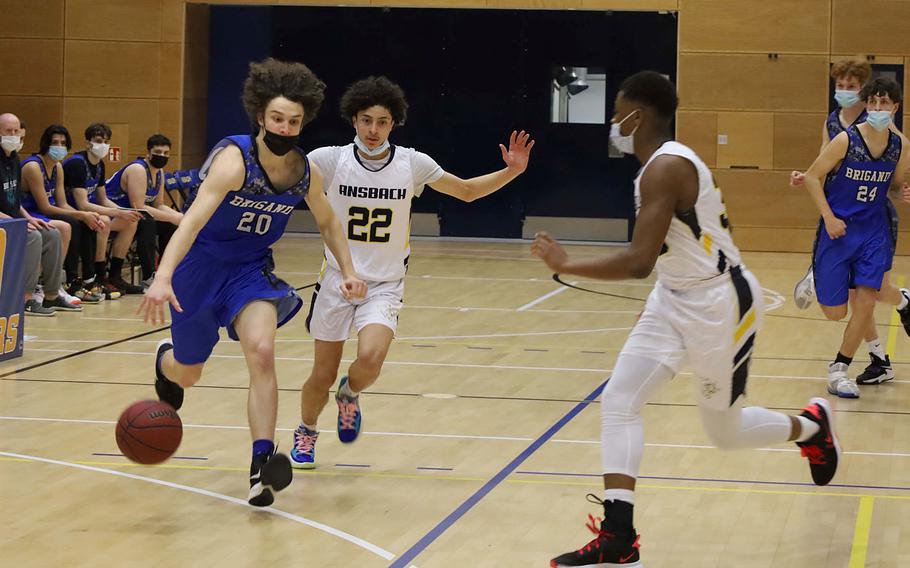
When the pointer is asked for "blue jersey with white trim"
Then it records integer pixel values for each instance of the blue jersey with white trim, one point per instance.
(834, 126)
(50, 184)
(250, 220)
(115, 191)
(858, 190)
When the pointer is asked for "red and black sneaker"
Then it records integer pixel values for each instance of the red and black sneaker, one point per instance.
(612, 546)
(823, 449)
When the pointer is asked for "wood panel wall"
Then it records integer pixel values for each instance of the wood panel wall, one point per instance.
(752, 74)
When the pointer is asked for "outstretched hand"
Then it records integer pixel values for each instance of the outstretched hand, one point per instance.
(547, 249)
(519, 151)
(159, 294)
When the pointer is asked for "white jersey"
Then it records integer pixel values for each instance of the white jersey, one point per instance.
(375, 207)
(698, 245)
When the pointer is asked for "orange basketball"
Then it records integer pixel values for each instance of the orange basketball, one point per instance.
(149, 431)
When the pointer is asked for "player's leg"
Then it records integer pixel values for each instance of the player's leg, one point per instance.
(376, 320)
(724, 349)
(879, 369)
(270, 472)
(125, 230)
(649, 360)
(329, 322)
(804, 291)
(314, 395)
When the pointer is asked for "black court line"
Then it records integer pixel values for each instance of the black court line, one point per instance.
(97, 347)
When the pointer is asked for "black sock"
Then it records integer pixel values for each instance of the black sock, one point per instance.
(618, 515)
(116, 269)
(100, 268)
(841, 358)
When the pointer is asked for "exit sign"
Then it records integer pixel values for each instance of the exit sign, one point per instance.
(113, 154)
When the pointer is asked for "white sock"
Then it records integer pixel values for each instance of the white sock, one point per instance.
(626, 495)
(904, 300)
(809, 428)
(875, 347)
(345, 389)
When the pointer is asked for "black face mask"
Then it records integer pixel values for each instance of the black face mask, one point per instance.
(157, 161)
(278, 144)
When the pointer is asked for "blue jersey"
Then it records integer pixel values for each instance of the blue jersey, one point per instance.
(50, 184)
(118, 195)
(833, 124)
(92, 182)
(250, 220)
(858, 190)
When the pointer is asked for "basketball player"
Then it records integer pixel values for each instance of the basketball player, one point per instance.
(706, 307)
(855, 249)
(370, 184)
(140, 185)
(217, 269)
(849, 76)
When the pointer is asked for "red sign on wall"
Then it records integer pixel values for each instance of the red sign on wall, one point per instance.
(113, 154)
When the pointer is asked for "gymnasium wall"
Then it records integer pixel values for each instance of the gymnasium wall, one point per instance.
(769, 109)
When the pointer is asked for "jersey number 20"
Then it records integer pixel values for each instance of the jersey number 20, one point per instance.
(250, 222)
(376, 220)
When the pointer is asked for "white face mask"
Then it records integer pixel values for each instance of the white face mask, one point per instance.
(100, 149)
(364, 149)
(11, 143)
(625, 144)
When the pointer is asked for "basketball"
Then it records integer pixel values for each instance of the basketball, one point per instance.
(149, 432)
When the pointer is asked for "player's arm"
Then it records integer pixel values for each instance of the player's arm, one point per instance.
(663, 184)
(826, 161)
(899, 188)
(333, 234)
(166, 213)
(226, 174)
(31, 175)
(516, 158)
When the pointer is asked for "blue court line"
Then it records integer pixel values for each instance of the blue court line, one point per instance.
(172, 457)
(713, 480)
(403, 561)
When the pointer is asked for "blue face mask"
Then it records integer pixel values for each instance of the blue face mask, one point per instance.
(846, 98)
(879, 119)
(57, 153)
(364, 149)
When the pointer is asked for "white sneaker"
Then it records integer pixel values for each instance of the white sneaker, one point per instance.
(804, 292)
(839, 383)
(70, 299)
(38, 293)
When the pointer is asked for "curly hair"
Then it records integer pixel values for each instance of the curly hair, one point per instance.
(882, 86)
(855, 67)
(98, 129)
(374, 91)
(271, 78)
(48, 134)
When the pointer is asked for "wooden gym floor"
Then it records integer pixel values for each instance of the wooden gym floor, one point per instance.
(481, 438)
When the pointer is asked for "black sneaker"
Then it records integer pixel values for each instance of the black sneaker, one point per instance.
(616, 543)
(168, 391)
(60, 304)
(125, 287)
(878, 371)
(823, 449)
(269, 474)
(905, 313)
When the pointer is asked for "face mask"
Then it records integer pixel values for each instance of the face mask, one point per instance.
(10, 143)
(159, 162)
(279, 144)
(57, 153)
(100, 149)
(879, 119)
(365, 150)
(846, 98)
(625, 144)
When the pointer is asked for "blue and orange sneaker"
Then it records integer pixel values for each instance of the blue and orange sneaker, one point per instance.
(303, 454)
(348, 414)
